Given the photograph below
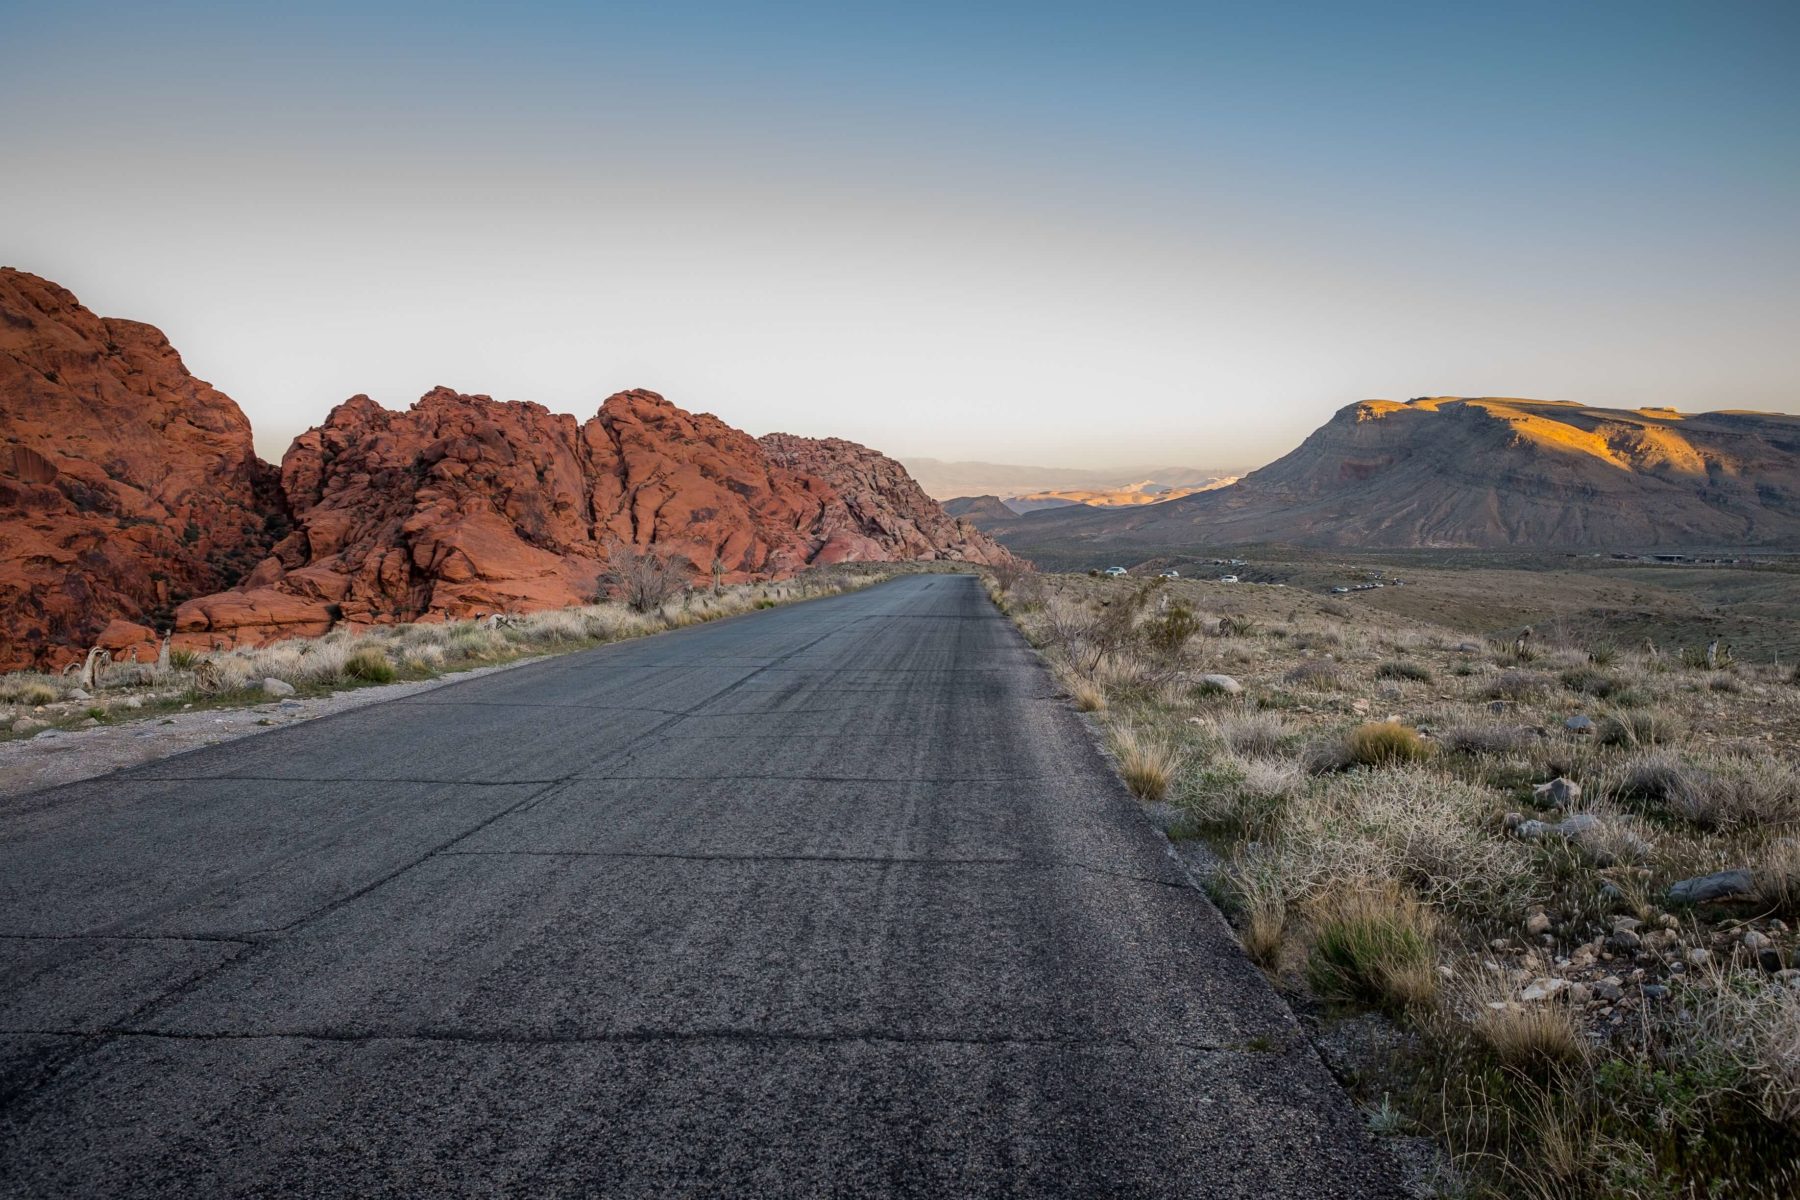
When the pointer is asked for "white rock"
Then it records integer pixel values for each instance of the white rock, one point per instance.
(1221, 683)
(1543, 989)
(1537, 922)
(278, 688)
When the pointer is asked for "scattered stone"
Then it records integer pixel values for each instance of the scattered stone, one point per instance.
(80, 694)
(1623, 940)
(1769, 959)
(1720, 885)
(29, 725)
(1577, 823)
(1543, 989)
(1755, 939)
(1655, 991)
(1531, 830)
(1558, 793)
(1538, 922)
(272, 686)
(1699, 956)
(292, 705)
(1469, 647)
(90, 723)
(1579, 724)
(134, 702)
(1580, 993)
(1220, 683)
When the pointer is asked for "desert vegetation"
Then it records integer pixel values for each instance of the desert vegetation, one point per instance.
(356, 656)
(1535, 893)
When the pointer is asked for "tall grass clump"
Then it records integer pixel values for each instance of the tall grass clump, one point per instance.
(1374, 944)
(370, 664)
(1147, 762)
(1384, 744)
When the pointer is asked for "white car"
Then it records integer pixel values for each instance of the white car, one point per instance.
(1113, 572)
(1169, 574)
(1228, 579)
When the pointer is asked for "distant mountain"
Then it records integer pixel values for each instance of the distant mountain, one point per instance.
(978, 510)
(952, 479)
(1485, 472)
(1144, 491)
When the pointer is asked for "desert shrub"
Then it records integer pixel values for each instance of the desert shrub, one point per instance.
(1603, 654)
(1169, 631)
(1593, 683)
(1720, 792)
(182, 658)
(1252, 733)
(1375, 945)
(1321, 674)
(1147, 762)
(1518, 685)
(428, 657)
(1724, 682)
(1399, 669)
(1487, 739)
(1230, 626)
(370, 664)
(645, 579)
(1638, 727)
(1384, 744)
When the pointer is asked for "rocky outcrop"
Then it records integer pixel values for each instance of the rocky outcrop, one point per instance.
(130, 500)
(885, 502)
(980, 511)
(1449, 472)
(126, 484)
(463, 504)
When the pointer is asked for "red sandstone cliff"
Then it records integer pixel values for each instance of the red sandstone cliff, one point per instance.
(463, 504)
(130, 498)
(885, 502)
(126, 485)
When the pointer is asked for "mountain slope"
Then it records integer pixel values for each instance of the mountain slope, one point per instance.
(1488, 472)
(126, 484)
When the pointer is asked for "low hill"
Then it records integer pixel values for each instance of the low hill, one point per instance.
(1484, 473)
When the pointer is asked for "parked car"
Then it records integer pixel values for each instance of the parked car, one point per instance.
(1113, 572)
(1339, 591)
(1171, 573)
(1228, 579)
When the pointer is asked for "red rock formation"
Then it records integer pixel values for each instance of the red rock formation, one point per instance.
(885, 503)
(463, 504)
(126, 485)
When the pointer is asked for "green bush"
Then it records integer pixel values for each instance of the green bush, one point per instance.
(1409, 671)
(371, 665)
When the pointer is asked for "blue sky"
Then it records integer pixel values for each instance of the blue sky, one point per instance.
(1086, 235)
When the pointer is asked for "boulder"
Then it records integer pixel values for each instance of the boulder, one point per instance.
(1579, 723)
(1219, 683)
(1720, 885)
(277, 688)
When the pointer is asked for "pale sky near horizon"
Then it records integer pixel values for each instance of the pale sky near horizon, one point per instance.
(1074, 235)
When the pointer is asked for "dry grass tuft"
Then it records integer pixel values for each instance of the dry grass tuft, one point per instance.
(1147, 762)
(1374, 944)
(1384, 744)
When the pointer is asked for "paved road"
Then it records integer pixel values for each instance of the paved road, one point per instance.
(836, 899)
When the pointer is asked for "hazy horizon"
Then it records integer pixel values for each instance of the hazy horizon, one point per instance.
(1025, 234)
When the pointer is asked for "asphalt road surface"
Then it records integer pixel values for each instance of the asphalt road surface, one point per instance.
(834, 899)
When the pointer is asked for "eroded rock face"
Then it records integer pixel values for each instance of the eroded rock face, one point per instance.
(126, 485)
(463, 504)
(885, 503)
